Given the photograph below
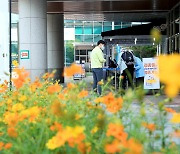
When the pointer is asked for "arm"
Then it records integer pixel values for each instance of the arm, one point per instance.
(137, 67)
(100, 57)
(137, 64)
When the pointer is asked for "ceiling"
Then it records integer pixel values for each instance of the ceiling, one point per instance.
(110, 10)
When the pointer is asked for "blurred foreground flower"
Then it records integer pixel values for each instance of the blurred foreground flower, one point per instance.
(156, 35)
(176, 118)
(121, 141)
(169, 73)
(15, 63)
(112, 103)
(19, 77)
(73, 69)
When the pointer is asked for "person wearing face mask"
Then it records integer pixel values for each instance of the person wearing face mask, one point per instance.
(97, 61)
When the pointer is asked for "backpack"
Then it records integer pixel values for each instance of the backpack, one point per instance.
(128, 58)
(112, 64)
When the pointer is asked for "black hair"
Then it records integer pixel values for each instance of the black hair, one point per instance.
(100, 42)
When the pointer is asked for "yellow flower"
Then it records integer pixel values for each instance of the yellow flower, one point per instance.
(169, 73)
(55, 142)
(18, 107)
(64, 135)
(9, 101)
(78, 116)
(94, 130)
(1, 134)
(15, 63)
(100, 82)
(156, 35)
(74, 131)
(176, 118)
(22, 98)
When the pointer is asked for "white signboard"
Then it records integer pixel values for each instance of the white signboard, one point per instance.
(69, 34)
(151, 80)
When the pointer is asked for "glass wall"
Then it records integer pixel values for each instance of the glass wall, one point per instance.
(173, 30)
(89, 32)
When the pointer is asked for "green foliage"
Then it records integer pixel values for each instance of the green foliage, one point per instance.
(144, 51)
(69, 51)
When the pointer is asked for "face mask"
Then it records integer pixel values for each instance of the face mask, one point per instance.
(102, 47)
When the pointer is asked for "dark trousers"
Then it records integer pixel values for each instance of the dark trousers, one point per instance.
(128, 75)
(97, 76)
(140, 81)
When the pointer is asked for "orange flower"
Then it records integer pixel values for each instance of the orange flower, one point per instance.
(117, 131)
(72, 141)
(151, 127)
(113, 104)
(3, 88)
(35, 85)
(54, 88)
(177, 133)
(56, 127)
(83, 93)
(73, 69)
(19, 77)
(133, 147)
(48, 75)
(84, 147)
(57, 108)
(61, 96)
(7, 146)
(113, 147)
(1, 145)
(1, 134)
(71, 86)
(12, 132)
(170, 110)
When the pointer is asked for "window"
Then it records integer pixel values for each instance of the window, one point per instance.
(117, 27)
(88, 30)
(79, 38)
(97, 38)
(97, 30)
(88, 38)
(107, 24)
(78, 30)
(107, 28)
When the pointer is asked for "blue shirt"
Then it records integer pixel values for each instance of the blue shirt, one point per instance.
(139, 68)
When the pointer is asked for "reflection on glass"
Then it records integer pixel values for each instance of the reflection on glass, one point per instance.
(88, 38)
(88, 30)
(78, 30)
(79, 38)
(97, 30)
(107, 28)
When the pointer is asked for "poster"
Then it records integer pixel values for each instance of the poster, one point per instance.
(151, 80)
(24, 54)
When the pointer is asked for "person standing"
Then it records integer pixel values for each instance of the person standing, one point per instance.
(127, 58)
(97, 61)
(139, 71)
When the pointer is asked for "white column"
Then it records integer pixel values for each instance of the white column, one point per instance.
(55, 38)
(33, 36)
(4, 40)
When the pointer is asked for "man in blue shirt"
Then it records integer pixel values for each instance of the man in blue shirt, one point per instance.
(139, 71)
